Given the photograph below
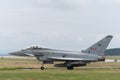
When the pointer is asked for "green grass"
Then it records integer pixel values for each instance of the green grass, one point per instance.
(59, 74)
(11, 69)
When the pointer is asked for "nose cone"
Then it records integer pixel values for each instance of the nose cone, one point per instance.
(18, 53)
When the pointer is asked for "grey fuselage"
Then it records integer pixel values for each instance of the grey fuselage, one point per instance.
(44, 54)
(71, 59)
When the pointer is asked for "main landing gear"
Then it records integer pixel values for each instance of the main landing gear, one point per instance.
(70, 67)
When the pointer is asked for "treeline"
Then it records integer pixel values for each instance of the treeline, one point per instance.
(112, 52)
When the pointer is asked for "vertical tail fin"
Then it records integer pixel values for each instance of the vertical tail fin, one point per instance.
(99, 47)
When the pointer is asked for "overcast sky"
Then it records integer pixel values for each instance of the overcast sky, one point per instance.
(60, 24)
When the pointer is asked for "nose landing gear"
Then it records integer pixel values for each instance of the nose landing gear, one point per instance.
(42, 67)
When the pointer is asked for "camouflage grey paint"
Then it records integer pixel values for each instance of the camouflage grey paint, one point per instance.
(92, 54)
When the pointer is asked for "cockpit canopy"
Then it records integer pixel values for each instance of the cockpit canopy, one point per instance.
(34, 48)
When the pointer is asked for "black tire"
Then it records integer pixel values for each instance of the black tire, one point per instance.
(42, 68)
(70, 68)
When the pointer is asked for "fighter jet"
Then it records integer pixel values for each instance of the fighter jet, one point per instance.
(70, 59)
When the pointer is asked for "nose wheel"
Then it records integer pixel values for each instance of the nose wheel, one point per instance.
(42, 67)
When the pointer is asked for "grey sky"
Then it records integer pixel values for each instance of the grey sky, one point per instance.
(61, 24)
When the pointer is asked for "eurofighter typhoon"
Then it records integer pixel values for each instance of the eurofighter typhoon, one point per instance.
(70, 59)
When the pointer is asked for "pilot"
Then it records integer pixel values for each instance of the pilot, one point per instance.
(33, 47)
(36, 47)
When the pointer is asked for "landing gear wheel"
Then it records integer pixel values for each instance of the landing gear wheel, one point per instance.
(70, 67)
(42, 68)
